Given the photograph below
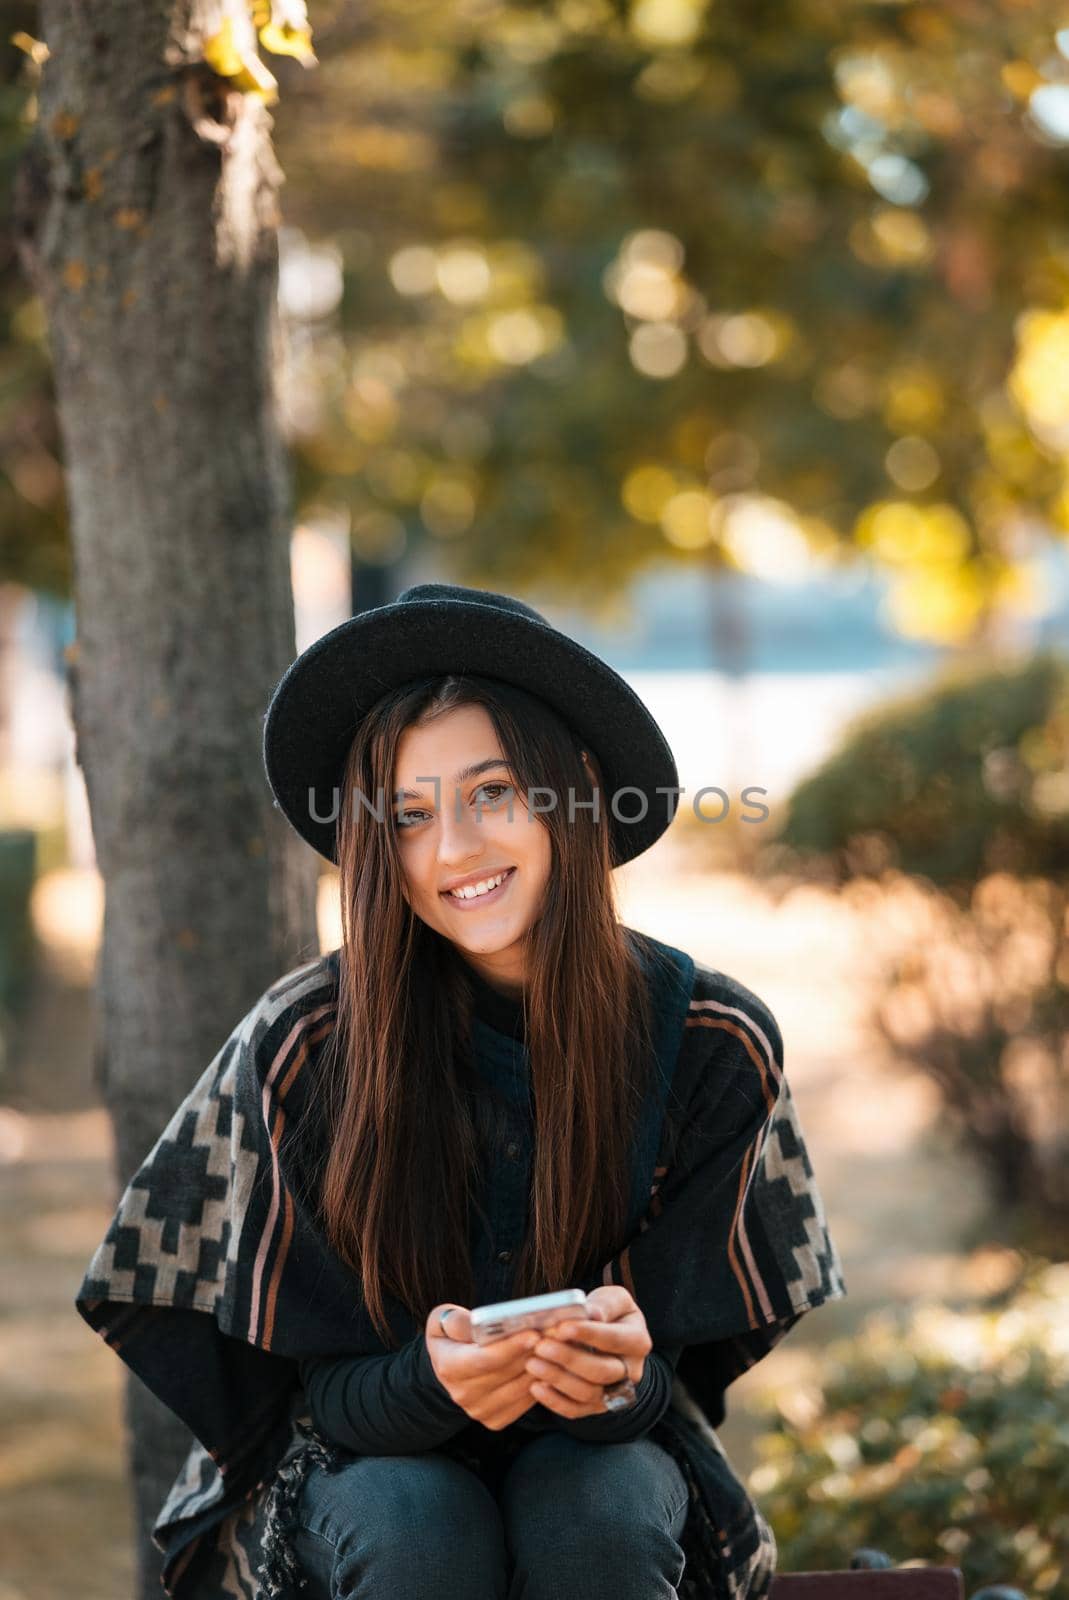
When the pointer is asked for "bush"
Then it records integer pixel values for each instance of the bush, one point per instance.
(940, 1436)
(978, 997)
(966, 777)
(962, 790)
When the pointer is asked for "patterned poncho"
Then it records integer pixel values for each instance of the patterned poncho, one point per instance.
(214, 1280)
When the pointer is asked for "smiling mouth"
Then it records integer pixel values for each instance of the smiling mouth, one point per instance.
(480, 899)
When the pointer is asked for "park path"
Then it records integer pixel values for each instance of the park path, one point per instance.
(900, 1204)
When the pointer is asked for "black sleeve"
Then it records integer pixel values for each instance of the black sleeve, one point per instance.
(381, 1405)
(652, 1395)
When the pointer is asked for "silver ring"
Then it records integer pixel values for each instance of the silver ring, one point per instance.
(622, 1393)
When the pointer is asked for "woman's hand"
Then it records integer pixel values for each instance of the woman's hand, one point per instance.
(489, 1381)
(568, 1378)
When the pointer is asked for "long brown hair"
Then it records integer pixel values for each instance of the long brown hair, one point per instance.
(399, 1169)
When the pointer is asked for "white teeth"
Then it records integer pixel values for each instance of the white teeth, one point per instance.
(474, 890)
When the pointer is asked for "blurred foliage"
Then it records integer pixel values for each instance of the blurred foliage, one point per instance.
(978, 997)
(576, 286)
(955, 801)
(966, 776)
(33, 508)
(740, 284)
(939, 1436)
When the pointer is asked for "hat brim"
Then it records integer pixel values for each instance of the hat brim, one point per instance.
(321, 700)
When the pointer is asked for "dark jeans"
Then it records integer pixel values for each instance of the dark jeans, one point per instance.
(571, 1521)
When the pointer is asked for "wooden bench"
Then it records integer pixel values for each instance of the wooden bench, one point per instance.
(874, 1576)
(901, 1583)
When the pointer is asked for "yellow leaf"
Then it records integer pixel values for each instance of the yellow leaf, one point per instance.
(258, 80)
(221, 53)
(284, 29)
(243, 68)
(289, 41)
(36, 49)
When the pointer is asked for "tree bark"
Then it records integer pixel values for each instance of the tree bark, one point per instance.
(147, 214)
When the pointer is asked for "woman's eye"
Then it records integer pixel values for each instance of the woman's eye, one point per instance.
(406, 818)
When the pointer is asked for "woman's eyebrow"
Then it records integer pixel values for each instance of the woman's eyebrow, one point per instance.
(462, 776)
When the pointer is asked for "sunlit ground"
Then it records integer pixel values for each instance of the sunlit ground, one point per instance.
(902, 1205)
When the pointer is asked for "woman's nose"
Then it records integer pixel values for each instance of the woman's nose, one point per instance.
(459, 832)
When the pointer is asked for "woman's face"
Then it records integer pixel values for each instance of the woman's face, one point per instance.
(458, 827)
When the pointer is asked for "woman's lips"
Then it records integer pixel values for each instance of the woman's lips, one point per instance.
(476, 902)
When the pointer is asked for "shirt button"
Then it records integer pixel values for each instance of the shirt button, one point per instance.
(512, 1149)
(504, 1255)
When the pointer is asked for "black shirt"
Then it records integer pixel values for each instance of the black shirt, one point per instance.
(395, 1403)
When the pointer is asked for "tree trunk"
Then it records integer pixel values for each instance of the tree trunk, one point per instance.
(147, 217)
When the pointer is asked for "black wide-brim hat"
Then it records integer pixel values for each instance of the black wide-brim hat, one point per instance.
(437, 628)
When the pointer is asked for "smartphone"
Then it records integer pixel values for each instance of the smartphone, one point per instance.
(503, 1317)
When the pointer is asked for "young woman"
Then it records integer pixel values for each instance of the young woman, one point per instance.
(493, 1088)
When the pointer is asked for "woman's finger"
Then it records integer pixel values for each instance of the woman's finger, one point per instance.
(462, 1363)
(454, 1322)
(508, 1405)
(612, 1300)
(501, 1376)
(482, 1396)
(565, 1404)
(574, 1384)
(504, 1402)
(486, 1366)
(628, 1338)
(592, 1367)
(468, 1357)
